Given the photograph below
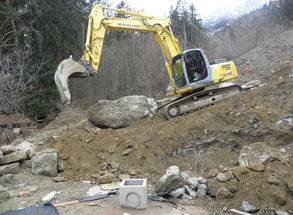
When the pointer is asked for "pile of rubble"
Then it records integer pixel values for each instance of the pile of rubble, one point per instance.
(185, 185)
(25, 155)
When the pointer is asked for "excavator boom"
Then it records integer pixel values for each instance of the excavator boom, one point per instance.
(189, 71)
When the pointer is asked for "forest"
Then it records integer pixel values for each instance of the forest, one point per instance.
(36, 35)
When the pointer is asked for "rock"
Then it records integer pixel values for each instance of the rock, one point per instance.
(233, 188)
(114, 165)
(202, 180)
(201, 190)
(96, 190)
(279, 197)
(273, 180)
(9, 169)
(106, 179)
(285, 121)
(289, 183)
(6, 180)
(239, 171)
(59, 179)
(255, 155)
(13, 157)
(124, 176)
(212, 173)
(221, 177)
(279, 212)
(1, 154)
(190, 191)
(184, 175)
(169, 183)
(223, 193)
(178, 192)
(119, 113)
(8, 149)
(213, 186)
(193, 182)
(4, 194)
(173, 170)
(187, 197)
(26, 147)
(251, 84)
(127, 152)
(60, 167)
(248, 207)
(27, 164)
(45, 163)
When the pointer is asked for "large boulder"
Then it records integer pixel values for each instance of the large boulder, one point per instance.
(254, 156)
(45, 163)
(120, 113)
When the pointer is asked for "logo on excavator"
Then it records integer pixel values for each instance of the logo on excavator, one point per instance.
(128, 25)
(225, 74)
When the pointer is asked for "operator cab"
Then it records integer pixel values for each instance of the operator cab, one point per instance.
(190, 68)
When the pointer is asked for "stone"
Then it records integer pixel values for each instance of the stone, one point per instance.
(289, 183)
(114, 165)
(60, 166)
(279, 212)
(124, 176)
(193, 182)
(27, 164)
(9, 169)
(6, 180)
(286, 121)
(96, 190)
(254, 156)
(173, 170)
(45, 163)
(233, 188)
(26, 147)
(279, 197)
(168, 183)
(184, 175)
(202, 180)
(7, 149)
(213, 186)
(251, 84)
(120, 113)
(13, 157)
(4, 194)
(187, 197)
(229, 175)
(273, 180)
(58, 179)
(1, 154)
(221, 177)
(201, 190)
(178, 192)
(212, 173)
(127, 152)
(223, 193)
(247, 207)
(239, 171)
(106, 179)
(190, 191)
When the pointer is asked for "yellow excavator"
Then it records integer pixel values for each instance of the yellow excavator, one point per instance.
(192, 77)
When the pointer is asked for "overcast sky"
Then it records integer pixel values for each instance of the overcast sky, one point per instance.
(206, 8)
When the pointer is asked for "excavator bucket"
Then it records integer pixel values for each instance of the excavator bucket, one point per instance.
(68, 68)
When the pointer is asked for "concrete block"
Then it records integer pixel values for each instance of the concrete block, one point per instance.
(133, 193)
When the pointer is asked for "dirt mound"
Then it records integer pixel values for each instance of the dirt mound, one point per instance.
(207, 139)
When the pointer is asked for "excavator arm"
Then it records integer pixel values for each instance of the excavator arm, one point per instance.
(98, 24)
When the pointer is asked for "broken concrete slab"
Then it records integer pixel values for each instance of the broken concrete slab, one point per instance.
(251, 84)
